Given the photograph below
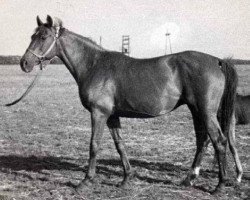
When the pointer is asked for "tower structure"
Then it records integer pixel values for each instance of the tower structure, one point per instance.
(126, 45)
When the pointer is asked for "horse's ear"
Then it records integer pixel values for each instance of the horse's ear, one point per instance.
(39, 22)
(49, 21)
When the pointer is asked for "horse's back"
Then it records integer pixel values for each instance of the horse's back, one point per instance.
(159, 85)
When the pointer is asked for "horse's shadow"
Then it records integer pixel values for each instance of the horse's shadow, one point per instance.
(105, 167)
(36, 164)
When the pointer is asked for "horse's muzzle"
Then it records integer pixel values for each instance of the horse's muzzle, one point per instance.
(25, 66)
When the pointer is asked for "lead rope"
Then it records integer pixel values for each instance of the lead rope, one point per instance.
(32, 84)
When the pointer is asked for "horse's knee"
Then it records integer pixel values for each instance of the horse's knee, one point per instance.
(93, 149)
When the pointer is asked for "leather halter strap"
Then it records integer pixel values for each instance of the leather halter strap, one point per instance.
(42, 57)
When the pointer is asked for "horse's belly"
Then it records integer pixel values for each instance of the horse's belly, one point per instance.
(146, 106)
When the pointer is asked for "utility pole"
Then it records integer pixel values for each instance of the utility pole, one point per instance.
(100, 41)
(168, 42)
(126, 45)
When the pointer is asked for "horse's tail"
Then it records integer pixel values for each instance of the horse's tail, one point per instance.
(228, 101)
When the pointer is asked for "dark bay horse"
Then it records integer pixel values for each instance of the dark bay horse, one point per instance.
(112, 85)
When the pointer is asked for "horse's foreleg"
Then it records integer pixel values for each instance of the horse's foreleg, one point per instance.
(114, 126)
(98, 120)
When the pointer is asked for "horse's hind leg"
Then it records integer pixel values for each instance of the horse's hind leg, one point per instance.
(206, 124)
(219, 142)
(114, 126)
(231, 141)
(202, 141)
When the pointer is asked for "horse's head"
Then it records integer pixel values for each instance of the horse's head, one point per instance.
(43, 46)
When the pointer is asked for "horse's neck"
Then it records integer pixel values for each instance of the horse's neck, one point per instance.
(78, 54)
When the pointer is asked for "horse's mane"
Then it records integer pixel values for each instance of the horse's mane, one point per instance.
(87, 40)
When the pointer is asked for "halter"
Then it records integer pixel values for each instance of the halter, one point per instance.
(42, 60)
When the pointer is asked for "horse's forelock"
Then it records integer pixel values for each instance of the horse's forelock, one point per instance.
(57, 22)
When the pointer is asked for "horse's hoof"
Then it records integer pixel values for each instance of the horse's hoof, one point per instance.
(229, 183)
(83, 184)
(187, 182)
(237, 186)
(219, 190)
(124, 184)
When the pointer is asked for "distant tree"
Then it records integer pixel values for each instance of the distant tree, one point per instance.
(9, 60)
(15, 60)
(241, 62)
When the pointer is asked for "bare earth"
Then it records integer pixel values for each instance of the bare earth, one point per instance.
(44, 143)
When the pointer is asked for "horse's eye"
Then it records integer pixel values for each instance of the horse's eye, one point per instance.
(43, 37)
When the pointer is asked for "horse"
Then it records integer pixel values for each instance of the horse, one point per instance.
(112, 85)
(242, 110)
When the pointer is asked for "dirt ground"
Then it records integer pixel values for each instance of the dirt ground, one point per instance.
(44, 144)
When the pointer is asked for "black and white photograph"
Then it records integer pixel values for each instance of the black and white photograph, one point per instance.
(124, 100)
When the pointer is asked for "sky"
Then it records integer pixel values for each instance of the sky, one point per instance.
(217, 27)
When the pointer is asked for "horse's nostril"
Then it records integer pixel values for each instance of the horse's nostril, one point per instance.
(23, 63)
